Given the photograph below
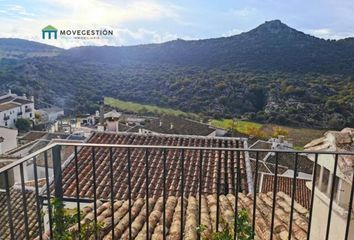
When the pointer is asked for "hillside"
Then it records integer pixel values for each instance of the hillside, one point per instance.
(13, 48)
(272, 46)
(271, 74)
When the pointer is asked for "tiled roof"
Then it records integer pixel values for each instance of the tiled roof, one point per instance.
(287, 160)
(33, 135)
(7, 106)
(190, 221)
(285, 184)
(337, 141)
(22, 101)
(180, 126)
(155, 165)
(6, 99)
(18, 218)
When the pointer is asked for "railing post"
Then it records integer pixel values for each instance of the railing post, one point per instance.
(58, 188)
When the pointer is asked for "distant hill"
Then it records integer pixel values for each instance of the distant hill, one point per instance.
(272, 73)
(13, 48)
(273, 46)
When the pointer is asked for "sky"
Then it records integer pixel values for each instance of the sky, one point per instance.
(155, 21)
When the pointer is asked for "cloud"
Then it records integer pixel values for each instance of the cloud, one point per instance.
(243, 12)
(327, 33)
(16, 10)
(91, 14)
(95, 12)
(232, 32)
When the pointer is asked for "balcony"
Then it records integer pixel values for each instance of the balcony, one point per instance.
(6, 118)
(19, 113)
(28, 110)
(163, 188)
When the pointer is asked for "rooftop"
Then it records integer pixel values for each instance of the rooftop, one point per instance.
(155, 166)
(284, 184)
(179, 126)
(8, 106)
(190, 221)
(17, 210)
(340, 141)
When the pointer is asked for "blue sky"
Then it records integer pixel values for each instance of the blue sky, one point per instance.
(153, 21)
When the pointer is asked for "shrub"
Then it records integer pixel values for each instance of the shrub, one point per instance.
(244, 229)
(23, 124)
(63, 219)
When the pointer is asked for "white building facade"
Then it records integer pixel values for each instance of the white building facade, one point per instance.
(13, 107)
(333, 141)
(8, 139)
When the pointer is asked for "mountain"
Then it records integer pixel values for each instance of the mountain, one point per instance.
(272, 73)
(14, 48)
(273, 46)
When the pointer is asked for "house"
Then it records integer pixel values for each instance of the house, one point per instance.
(343, 183)
(285, 161)
(191, 163)
(18, 198)
(13, 107)
(176, 125)
(39, 141)
(219, 174)
(112, 119)
(31, 136)
(174, 204)
(50, 114)
(8, 139)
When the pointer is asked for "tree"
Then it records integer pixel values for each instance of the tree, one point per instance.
(23, 124)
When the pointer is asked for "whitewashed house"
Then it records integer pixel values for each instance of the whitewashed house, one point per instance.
(13, 107)
(8, 139)
(50, 114)
(333, 141)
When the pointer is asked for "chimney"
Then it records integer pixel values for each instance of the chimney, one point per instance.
(10, 92)
(101, 115)
(24, 95)
(281, 138)
(160, 123)
(32, 98)
(171, 126)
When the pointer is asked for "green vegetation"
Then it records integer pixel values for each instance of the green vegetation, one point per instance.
(23, 125)
(275, 75)
(244, 229)
(298, 136)
(144, 108)
(63, 219)
(238, 125)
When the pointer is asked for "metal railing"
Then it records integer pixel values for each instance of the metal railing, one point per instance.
(52, 176)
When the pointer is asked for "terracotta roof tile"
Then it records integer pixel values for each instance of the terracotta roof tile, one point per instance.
(18, 215)
(284, 184)
(190, 221)
(155, 166)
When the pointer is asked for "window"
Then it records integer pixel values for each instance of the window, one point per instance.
(325, 179)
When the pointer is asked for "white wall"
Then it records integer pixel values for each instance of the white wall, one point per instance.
(10, 139)
(319, 220)
(13, 114)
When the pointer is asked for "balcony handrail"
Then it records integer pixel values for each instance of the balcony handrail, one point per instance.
(73, 144)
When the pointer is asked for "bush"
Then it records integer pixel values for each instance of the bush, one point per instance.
(23, 125)
(277, 131)
(244, 229)
(63, 220)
